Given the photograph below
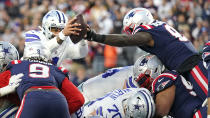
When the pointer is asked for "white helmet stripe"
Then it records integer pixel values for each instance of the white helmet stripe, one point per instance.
(148, 105)
(151, 107)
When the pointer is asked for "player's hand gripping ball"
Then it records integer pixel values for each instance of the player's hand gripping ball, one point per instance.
(83, 27)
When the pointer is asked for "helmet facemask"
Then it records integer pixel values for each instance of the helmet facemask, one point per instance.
(146, 69)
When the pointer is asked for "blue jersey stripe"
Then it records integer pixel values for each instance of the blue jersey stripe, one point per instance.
(6, 110)
(12, 114)
(32, 36)
(30, 40)
(59, 16)
(131, 83)
(127, 84)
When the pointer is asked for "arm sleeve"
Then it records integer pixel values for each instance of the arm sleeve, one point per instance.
(77, 51)
(73, 96)
(4, 78)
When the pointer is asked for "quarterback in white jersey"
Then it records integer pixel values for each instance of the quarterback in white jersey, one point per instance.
(147, 66)
(121, 103)
(54, 33)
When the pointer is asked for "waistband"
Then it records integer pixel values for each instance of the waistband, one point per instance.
(41, 88)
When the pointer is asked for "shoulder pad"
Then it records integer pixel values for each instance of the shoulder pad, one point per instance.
(32, 35)
(16, 62)
(142, 27)
(10, 65)
(65, 71)
(164, 81)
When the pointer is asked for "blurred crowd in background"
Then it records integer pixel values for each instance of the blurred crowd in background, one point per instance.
(189, 17)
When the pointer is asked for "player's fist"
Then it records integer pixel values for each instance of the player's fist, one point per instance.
(13, 84)
(15, 80)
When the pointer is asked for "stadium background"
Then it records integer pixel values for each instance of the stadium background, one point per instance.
(190, 17)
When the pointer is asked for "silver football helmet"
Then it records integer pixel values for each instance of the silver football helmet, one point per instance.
(53, 18)
(140, 105)
(146, 69)
(136, 17)
(7, 53)
(36, 49)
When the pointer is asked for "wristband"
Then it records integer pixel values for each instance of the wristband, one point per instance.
(62, 36)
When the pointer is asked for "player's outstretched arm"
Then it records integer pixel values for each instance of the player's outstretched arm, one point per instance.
(138, 39)
(13, 84)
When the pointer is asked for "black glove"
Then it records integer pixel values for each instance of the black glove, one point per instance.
(92, 36)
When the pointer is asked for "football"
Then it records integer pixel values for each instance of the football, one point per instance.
(83, 32)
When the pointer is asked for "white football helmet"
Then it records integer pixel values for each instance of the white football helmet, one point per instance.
(53, 18)
(36, 49)
(136, 17)
(146, 69)
(140, 105)
(7, 53)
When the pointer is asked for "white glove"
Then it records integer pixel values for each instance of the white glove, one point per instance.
(13, 84)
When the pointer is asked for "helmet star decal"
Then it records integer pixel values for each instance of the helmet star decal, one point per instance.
(6, 50)
(136, 107)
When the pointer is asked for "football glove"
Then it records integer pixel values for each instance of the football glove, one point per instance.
(13, 84)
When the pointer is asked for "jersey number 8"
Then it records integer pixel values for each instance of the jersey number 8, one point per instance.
(174, 33)
(37, 70)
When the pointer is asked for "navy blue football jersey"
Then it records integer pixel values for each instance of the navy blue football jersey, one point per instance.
(170, 46)
(186, 101)
(37, 73)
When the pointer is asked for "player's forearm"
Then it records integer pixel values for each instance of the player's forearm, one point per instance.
(4, 91)
(120, 40)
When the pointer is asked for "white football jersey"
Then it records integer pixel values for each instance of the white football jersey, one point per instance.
(59, 52)
(110, 105)
(112, 79)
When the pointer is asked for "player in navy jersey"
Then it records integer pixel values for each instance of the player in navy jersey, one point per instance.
(157, 37)
(206, 58)
(45, 90)
(176, 97)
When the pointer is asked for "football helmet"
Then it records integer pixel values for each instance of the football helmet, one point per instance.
(36, 49)
(140, 105)
(55, 19)
(7, 53)
(136, 17)
(146, 69)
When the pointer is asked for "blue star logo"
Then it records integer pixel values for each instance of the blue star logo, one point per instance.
(6, 50)
(136, 107)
